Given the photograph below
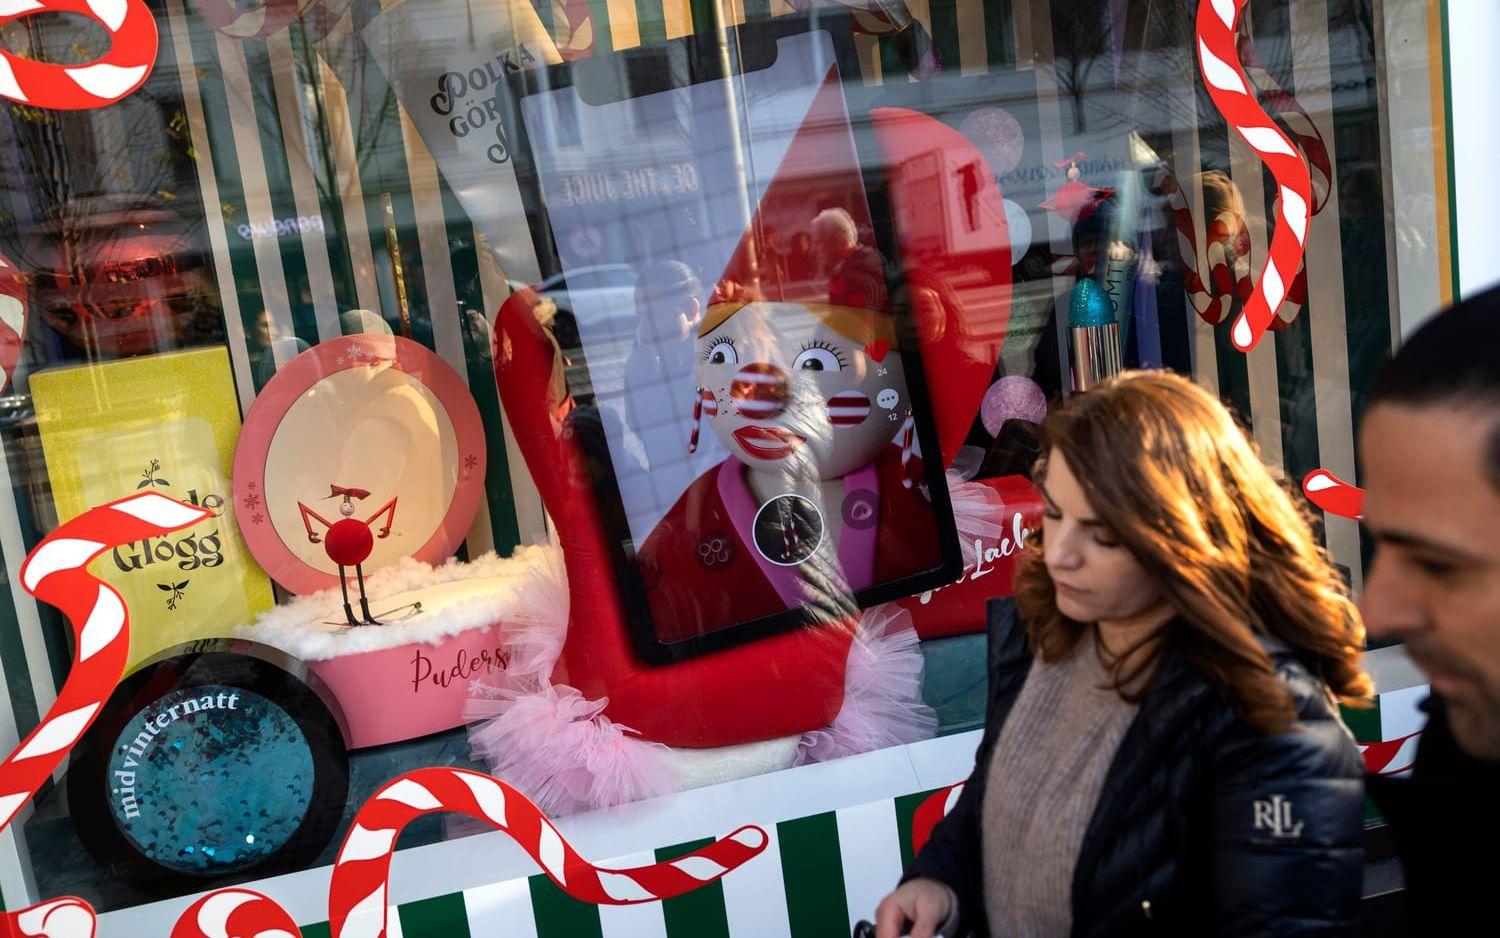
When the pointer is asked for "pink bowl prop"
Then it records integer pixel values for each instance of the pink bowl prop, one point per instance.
(395, 694)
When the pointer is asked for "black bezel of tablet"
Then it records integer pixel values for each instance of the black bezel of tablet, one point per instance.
(659, 67)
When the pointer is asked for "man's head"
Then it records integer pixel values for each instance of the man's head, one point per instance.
(834, 235)
(1431, 451)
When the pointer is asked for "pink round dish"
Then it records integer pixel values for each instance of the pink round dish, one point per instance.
(395, 694)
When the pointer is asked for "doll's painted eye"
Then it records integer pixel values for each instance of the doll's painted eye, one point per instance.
(721, 353)
(817, 358)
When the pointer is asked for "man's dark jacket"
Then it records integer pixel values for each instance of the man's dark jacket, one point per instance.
(1204, 825)
(1446, 826)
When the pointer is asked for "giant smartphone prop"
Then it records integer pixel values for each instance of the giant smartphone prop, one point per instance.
(751, 406)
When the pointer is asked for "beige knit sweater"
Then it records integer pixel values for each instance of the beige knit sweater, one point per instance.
(1045, 776)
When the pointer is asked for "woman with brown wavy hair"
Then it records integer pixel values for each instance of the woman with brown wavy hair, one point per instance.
(1163, 752)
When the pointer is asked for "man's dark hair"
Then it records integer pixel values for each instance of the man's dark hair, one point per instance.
(1452, 361)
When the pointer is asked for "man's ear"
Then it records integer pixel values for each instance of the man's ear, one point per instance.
(691, 308)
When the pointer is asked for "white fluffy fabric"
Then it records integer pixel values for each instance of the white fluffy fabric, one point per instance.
(526, 591)
(977, 515)
(882, 692)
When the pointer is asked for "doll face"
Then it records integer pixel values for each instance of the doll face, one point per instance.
(790, 394)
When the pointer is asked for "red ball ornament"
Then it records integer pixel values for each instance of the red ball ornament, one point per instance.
(349, 542)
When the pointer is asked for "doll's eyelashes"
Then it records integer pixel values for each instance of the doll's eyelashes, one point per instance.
(819, 356)
(721, 352)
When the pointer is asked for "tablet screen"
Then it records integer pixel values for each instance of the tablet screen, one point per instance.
(737, 359)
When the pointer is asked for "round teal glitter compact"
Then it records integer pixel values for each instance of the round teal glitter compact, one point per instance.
(219, 763)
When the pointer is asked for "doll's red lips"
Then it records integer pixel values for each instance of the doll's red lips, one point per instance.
(767, 442)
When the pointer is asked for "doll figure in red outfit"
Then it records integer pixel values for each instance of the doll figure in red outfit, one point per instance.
(349, 541)
(817, 498)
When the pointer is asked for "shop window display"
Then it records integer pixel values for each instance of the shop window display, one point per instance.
(635, 406)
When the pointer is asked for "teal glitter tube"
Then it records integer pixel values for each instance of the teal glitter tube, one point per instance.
(1093, 335)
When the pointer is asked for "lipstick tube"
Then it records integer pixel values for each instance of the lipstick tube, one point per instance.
(1093, 335)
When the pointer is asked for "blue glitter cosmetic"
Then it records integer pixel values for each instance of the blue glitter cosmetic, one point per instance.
(213, 762)
(210, 779)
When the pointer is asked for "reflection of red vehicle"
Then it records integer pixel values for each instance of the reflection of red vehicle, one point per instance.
(119, 293)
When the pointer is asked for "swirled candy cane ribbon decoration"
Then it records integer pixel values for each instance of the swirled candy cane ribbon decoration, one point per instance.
(235, 913)
(357, 894)
(66, 917)
(1229, 88)
(56, 574)
(1213, 292)
(121, 70)
(1227, 250)
(1333, 495)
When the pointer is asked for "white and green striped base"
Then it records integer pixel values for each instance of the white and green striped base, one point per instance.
(839, 838)
(840, 835)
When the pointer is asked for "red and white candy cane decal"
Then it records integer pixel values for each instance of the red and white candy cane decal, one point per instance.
(1334, 495)
(1227, 250)
(932, 810)
(67, 917)
(357, 895)
(56, 574)
(235, 913)
(1228, 254)
(13, 310)
(131, 55)
(1229, 88)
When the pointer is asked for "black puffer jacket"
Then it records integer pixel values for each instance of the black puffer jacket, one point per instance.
(1204, 826)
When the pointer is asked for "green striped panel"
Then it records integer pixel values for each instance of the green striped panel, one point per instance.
(811, 868)
(1364, 723)
(316, 930)
(1356, 127)
(906, 809)
(273, 148)
(320, 152)
(1234, 371)
(1000, 33)
(1294, 356)
(55, 628)
(243, 267)
(23, 705)
(944, 15)
(559, 914)
(480, 368)
(705, 16)
(603, 42)
(439, 917)
(700, 913)
(650, 21)
(757, 10)
(374, 113)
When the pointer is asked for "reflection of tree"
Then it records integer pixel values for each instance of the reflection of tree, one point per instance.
(372, 110)
(1080, 38)
(82, 184)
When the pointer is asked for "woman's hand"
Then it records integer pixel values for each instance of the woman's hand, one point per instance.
(918, 907)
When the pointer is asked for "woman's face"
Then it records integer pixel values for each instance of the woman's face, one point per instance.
(1097, 578)
(789, 394)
